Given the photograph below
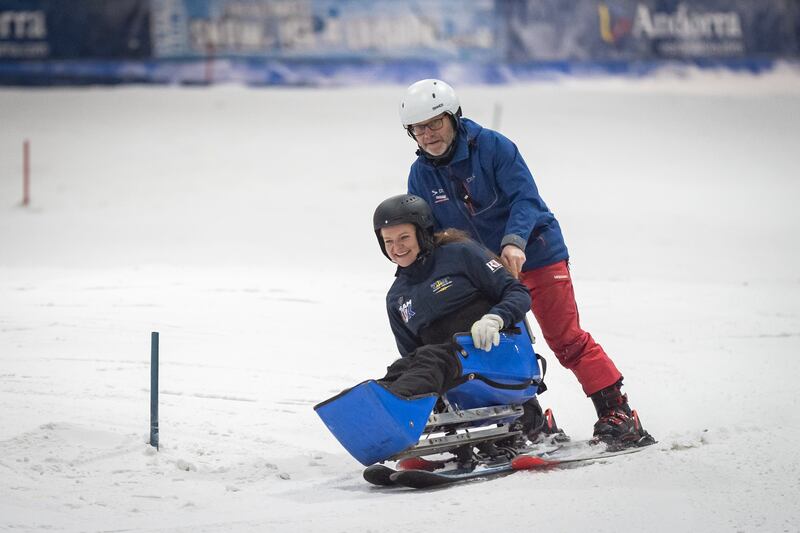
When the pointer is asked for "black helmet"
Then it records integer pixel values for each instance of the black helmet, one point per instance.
(405, 209)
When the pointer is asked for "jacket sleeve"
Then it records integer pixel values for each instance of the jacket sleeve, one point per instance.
(405, 339)
(488, 274)
(516, 182)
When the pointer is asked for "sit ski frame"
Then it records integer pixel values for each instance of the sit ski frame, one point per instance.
(471, 422)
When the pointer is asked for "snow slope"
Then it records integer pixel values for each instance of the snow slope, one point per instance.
(236, 222)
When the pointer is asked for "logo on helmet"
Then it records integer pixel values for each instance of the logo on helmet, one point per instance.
(434, 108)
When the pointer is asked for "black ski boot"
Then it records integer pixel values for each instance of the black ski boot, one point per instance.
(618, 425)
(538, 425)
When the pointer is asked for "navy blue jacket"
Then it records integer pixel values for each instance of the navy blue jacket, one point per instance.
(447, 291)
(487, 190)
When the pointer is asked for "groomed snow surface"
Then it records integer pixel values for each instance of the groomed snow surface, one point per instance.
(236, 222)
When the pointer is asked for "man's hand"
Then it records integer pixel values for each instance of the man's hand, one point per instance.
(512, 258)
(486, 332)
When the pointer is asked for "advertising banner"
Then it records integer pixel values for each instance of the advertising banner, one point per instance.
(333, 29)
(315, 42)
(91, 29)
(570, 30)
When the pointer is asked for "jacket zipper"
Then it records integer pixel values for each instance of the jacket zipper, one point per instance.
(460, 204)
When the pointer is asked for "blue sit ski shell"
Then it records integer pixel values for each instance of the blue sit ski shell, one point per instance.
(373, 423)
(507, 375)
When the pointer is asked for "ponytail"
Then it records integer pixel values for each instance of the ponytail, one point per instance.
(451, 235)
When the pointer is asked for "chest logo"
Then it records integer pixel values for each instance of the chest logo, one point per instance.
(439, 196)
(406, 311)
(441, 285)
(494, 265)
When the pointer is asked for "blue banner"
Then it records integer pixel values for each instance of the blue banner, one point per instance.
(314, 42)
(80, 29)
(332, 29)
(631, 30)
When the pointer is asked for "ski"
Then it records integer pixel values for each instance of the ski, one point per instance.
(493, 458)
(447, 471)
(578, 452)
(570, 453)
(424, 479)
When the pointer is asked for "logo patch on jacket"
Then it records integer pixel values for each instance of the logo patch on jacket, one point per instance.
(439, 196)
(494, 265)
(406, 311)
(441, 285)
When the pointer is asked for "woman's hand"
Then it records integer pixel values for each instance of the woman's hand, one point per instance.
(486, 332)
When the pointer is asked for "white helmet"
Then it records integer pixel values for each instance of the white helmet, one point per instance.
(426, 99)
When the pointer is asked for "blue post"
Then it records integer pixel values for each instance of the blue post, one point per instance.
(154, 389)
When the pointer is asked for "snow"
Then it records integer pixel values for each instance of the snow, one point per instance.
(236, 222)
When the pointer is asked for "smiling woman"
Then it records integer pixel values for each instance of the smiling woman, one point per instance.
(400, 243)
(445, 283)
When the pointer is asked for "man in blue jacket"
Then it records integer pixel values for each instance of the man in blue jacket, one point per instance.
(476, 180)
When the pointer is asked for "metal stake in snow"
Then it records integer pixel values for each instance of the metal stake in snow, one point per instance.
(154, 389)
(26, 172)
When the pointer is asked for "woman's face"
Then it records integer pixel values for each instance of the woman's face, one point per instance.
(401, 243)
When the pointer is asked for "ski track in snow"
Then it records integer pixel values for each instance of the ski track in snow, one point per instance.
(220, 219)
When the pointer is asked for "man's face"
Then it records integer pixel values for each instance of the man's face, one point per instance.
(435, 135)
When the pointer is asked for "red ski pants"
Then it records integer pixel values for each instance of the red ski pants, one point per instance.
(553, 305)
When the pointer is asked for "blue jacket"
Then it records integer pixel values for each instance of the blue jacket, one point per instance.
(487, 190)
(446, 291)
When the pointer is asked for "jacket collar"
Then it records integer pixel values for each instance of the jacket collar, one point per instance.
(419, 269)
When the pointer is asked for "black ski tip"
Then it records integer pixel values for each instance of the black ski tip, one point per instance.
(379, 475)
(420, 479)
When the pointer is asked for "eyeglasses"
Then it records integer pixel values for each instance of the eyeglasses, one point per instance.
(433, 125)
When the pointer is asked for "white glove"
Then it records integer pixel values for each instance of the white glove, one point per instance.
(486, 332)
